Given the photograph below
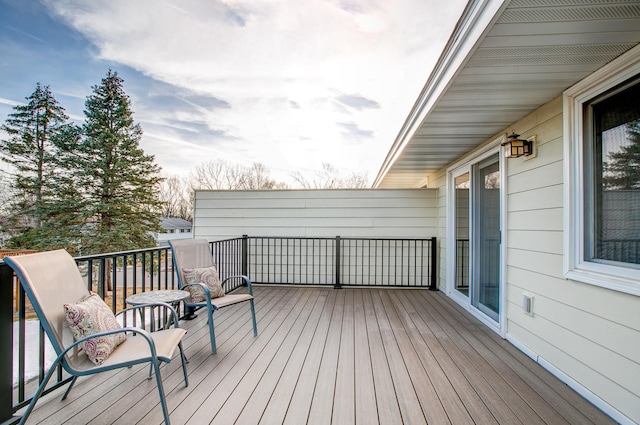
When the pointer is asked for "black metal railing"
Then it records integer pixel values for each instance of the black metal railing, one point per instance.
(230, 258)
(619, 250)
(267, 260)
(341, 261)
(462, 264)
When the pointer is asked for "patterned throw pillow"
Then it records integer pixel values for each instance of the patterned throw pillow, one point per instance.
(88, 317)
(208, 276)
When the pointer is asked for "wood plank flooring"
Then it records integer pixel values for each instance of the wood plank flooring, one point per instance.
(325, 356)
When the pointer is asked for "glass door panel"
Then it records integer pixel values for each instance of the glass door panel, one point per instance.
(486, 237)
(462, 186)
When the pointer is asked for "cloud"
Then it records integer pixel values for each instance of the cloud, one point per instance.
(352, 131)
(357, 102)
(171, 103)
(26, 34)
(9, 102)
(288, 83)
(196, 132)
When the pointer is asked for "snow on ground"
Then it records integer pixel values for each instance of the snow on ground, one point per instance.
(32, 336)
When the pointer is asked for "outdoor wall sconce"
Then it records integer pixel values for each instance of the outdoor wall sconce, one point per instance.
(515, 147)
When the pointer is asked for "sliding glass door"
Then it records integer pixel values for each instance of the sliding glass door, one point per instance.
(476, 223)
(486, 237)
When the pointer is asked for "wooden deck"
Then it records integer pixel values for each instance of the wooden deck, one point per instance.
(325, 356)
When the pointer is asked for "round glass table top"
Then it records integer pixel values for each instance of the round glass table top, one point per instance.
(160, 295)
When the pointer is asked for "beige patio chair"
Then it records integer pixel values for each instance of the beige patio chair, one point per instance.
(195, 254)
(59, 295)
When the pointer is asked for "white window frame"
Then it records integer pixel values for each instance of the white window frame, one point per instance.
(618, 278)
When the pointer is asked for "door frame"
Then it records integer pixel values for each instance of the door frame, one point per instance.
(455, 170)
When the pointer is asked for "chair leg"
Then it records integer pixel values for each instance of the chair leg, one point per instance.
(253, 318)
(40, 389)
(189, 313)
(212, 333)
(184, 365)
(66, 393)
(163, 400)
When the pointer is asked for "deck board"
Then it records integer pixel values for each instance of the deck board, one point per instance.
(452, 402)
(324, 356)
(324, 392)
(465, 340)
(386, 401)
(344, 395)
(406, 396)
(297, 412)
(365, 393)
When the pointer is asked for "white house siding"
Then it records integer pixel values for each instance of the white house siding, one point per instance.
(397, 214)
(402, 213)
(588, 333)
(439, 180)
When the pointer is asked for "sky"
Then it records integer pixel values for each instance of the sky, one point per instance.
(290, 84)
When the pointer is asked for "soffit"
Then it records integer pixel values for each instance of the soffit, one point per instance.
(527, 54)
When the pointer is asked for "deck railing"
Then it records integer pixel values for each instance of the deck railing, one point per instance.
(266, 260)
(619, 250)
(341, 261)
(462, 264)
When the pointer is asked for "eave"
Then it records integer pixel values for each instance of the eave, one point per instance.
(504, 60)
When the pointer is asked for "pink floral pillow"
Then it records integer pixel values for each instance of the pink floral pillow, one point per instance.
(90, 316)
(208, 276)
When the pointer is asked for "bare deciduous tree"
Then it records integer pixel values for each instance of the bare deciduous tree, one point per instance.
(257, 177)
(223, 175)
(216, 175)
(175, 195)
(329, 178)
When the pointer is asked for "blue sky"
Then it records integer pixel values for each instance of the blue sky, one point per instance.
(291, 84)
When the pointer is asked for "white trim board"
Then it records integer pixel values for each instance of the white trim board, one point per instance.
(584, 392)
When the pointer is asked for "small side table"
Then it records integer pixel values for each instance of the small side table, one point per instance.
(169, 296)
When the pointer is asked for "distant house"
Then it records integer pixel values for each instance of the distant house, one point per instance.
(174, 228)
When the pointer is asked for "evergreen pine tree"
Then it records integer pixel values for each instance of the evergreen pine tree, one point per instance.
(29, 150)
(622, 170)
(117, 201)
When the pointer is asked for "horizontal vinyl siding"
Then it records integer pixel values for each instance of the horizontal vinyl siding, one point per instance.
(439, 180)
(589, 333)
(383, 213)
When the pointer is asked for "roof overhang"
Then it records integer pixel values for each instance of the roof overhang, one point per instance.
(504, 60)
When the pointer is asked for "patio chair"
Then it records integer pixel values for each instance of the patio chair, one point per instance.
(194, 255)
(55, 287)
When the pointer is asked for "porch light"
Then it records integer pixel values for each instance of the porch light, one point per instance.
(515, 147)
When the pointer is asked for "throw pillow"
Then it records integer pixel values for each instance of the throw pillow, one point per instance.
(90, 316)
(208, 276)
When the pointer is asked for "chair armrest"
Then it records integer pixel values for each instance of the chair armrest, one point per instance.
(156, 304)
(207, 293)
(145, 335)
(245, 279)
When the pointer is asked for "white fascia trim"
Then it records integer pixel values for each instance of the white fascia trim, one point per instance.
(472, 28)
(573, 384)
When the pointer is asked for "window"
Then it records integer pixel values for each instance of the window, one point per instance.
(612, 177)
(602, 145)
